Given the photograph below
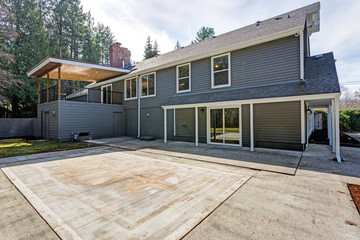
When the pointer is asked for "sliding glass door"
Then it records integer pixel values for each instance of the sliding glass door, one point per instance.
(224, 125)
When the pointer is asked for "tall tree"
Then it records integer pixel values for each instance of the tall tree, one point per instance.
(177, 45)
(150, 49)
(204, 33)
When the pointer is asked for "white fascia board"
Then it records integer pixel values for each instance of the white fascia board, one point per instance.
(246, 44)
(75, 63)
(260, 100)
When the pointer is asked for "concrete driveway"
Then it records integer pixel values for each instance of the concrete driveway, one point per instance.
(107, 193)
(156, 192)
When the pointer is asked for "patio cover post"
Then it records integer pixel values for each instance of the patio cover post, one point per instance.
(196, 126)
(59, 82)
(165, 126)
(251, 127)
(337, 129)
(302, 122)
(38, 90)
(47, 87)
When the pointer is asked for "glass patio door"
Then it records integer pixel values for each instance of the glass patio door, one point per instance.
(224, 126)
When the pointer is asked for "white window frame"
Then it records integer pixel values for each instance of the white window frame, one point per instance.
(136, 89)
(212, 72)
(140, 82)
(177, 78)
(102, 93)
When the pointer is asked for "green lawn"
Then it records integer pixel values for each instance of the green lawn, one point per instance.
(18, 147)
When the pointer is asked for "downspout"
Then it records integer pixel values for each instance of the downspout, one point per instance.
(139, 86)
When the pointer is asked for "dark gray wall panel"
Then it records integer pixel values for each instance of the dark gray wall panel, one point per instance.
(277, 122)
(17, 127)
(130, 122)
(95, 118)
(245, 120)
(201, 75)
(185, 122)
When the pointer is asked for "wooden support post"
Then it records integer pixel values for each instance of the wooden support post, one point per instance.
(38, 90)
(59, 83)
(47, 88)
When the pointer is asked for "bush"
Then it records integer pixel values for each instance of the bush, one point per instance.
(353, 119)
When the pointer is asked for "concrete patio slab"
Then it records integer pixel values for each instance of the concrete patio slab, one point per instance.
(276, 206)
(280, 161)
(319, 162)
(116, 194)
(18, 219)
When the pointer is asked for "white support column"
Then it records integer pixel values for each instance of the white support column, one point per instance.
(337, 129)
(302, 54)
(174, 122)
(329, 124)
(333, 134)
(139, 109)
(196, 126)
(251, 127)
(302, 121)
(208, 125)
(165, 125)
(240, 125)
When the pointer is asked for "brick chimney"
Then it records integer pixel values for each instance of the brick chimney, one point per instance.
(119, 56)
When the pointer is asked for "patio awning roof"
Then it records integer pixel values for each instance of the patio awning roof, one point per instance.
(74, 70)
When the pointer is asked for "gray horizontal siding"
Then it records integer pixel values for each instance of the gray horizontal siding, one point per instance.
(273, 62)
(53, 119)
(95, 118)
(185, 122)
(17, 127)
(277, 122)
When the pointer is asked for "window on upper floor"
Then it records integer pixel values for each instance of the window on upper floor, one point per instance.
(220, 71)
(106, 94)
(130, 89)
(183, 78)
(148, 85)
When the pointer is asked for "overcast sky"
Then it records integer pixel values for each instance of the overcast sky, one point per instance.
(170, 20)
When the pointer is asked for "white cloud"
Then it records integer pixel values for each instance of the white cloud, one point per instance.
(170, 20)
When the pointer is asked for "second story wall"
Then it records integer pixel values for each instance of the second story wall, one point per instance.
(264, 64)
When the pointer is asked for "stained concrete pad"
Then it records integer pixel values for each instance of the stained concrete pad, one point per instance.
(277, 206)
(112, 195)
(273, 160)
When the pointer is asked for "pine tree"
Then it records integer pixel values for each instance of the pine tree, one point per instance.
(177, 45)
(203, 34)
(155, 49)
(150, 49)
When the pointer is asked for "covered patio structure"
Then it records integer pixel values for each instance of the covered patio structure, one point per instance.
(62, 69)
(67, 113)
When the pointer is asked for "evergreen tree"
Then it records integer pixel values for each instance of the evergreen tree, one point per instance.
(177, 45)
(203, 34)
(155, 49)
(150, 49)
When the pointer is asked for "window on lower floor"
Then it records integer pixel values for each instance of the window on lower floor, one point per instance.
(106, 94)
(130, 88)
(148, 85)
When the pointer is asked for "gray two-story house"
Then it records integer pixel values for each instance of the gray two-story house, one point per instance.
(251, 87)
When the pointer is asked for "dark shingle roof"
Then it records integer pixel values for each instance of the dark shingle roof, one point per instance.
(287, 21)
(320, 78)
